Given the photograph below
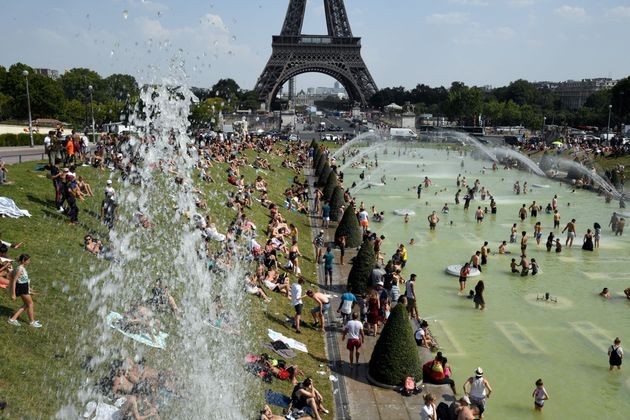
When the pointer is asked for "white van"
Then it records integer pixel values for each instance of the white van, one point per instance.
(402, 134)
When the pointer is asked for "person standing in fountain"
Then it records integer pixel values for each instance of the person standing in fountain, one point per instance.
(479, 215)
(538, 232)
(534, 209)
(457, 197)
(550, 240)
(480, 303)
(479, 391)
(524, 239)
(419, 191)
(619, 228)
(522, 213)
(588, 241)
(615, 355)
(556, 219)
(463, 276)
(597, 233)
(570, 229)
(484, 253)
(433, 220)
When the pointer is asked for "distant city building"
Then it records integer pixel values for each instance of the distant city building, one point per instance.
(53, 74)
(574, 93)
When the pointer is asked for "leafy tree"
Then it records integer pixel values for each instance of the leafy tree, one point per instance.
(359, 277)
(395, 355)
(510, 114)
(118, 86)
(46, 95)
(463, 102)
(248, 100)
(203, 113)
(350, 228)
(225, 88)
(620, 100)
(336, 202)
(6, 103)
(331, 184)
(76, 82)
(320, 166)
(74, 112)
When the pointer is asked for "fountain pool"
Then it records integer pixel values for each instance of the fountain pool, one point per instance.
(518, 338)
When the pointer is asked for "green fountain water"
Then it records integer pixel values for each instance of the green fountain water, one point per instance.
(518, 338)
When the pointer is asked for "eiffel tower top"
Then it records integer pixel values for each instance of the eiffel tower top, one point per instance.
(336, 19)
(337, 54)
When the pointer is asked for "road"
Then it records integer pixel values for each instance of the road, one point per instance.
(12, 154)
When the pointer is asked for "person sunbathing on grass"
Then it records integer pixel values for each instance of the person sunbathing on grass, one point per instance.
(140, 320)
(251, 286)
(93, 246)
(279, 284)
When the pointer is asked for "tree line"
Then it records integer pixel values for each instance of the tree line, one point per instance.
(113, 98)
(519, 103)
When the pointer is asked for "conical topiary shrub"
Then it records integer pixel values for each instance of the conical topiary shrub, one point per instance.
(361, 271)
(331, 183)
(323, 175)
(350, 228)
(336, 201)
(320, 166)
(395, 355)
(318, 161)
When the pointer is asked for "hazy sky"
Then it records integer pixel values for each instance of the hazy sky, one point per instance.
(405, 42)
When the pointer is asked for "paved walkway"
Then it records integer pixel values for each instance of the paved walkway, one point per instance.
(363, 400)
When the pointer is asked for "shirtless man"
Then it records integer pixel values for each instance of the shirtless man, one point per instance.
(534, 209)
(475, 260)
(524, 239)
(556, 219)
(522, 213)
(570, 229)
(484, 253)
(513, 231)
(323, 305)
(479, 214)
(433, 220)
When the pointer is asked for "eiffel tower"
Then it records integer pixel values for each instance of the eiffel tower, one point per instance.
(337, 54)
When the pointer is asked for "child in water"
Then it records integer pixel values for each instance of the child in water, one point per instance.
(540, 395)
(513, 266)
(533, 265)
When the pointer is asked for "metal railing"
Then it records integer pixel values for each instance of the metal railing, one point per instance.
(7, 158)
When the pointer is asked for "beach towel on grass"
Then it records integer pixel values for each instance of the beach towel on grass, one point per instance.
(277, 399)
(281, 348)
(275, 336)
(10, 209)
(160, 339)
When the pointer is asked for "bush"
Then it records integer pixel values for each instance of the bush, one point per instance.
(361, 271)
(395, 355)
(22, 139)
(350, 228)
(317, 160)
(320, 165)
(331, 183)
(323, 175)
(336, 201)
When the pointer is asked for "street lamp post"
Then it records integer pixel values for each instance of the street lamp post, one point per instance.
(28, 101)
(542, 131)
(91, 89)
(608, 129)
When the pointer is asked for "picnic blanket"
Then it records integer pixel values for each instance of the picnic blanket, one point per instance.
(277, 399)
(160, 340)
(10, 209)
(288, 341)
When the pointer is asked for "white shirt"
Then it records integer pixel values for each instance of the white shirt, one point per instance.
(109, 191)
(296, 294)
(426, 413)
(363, 216)
(47, 141)
(354, 328)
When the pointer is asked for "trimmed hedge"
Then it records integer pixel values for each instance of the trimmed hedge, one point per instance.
(336, 201)
(350, 228)
(331, 183)
(396, 355)
(361, 271)
(323, 175)
(22, 139)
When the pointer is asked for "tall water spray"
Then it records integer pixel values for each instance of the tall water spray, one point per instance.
(198, 361)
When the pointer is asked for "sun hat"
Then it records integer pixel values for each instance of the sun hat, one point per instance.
(479, 371)
(109, 182)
